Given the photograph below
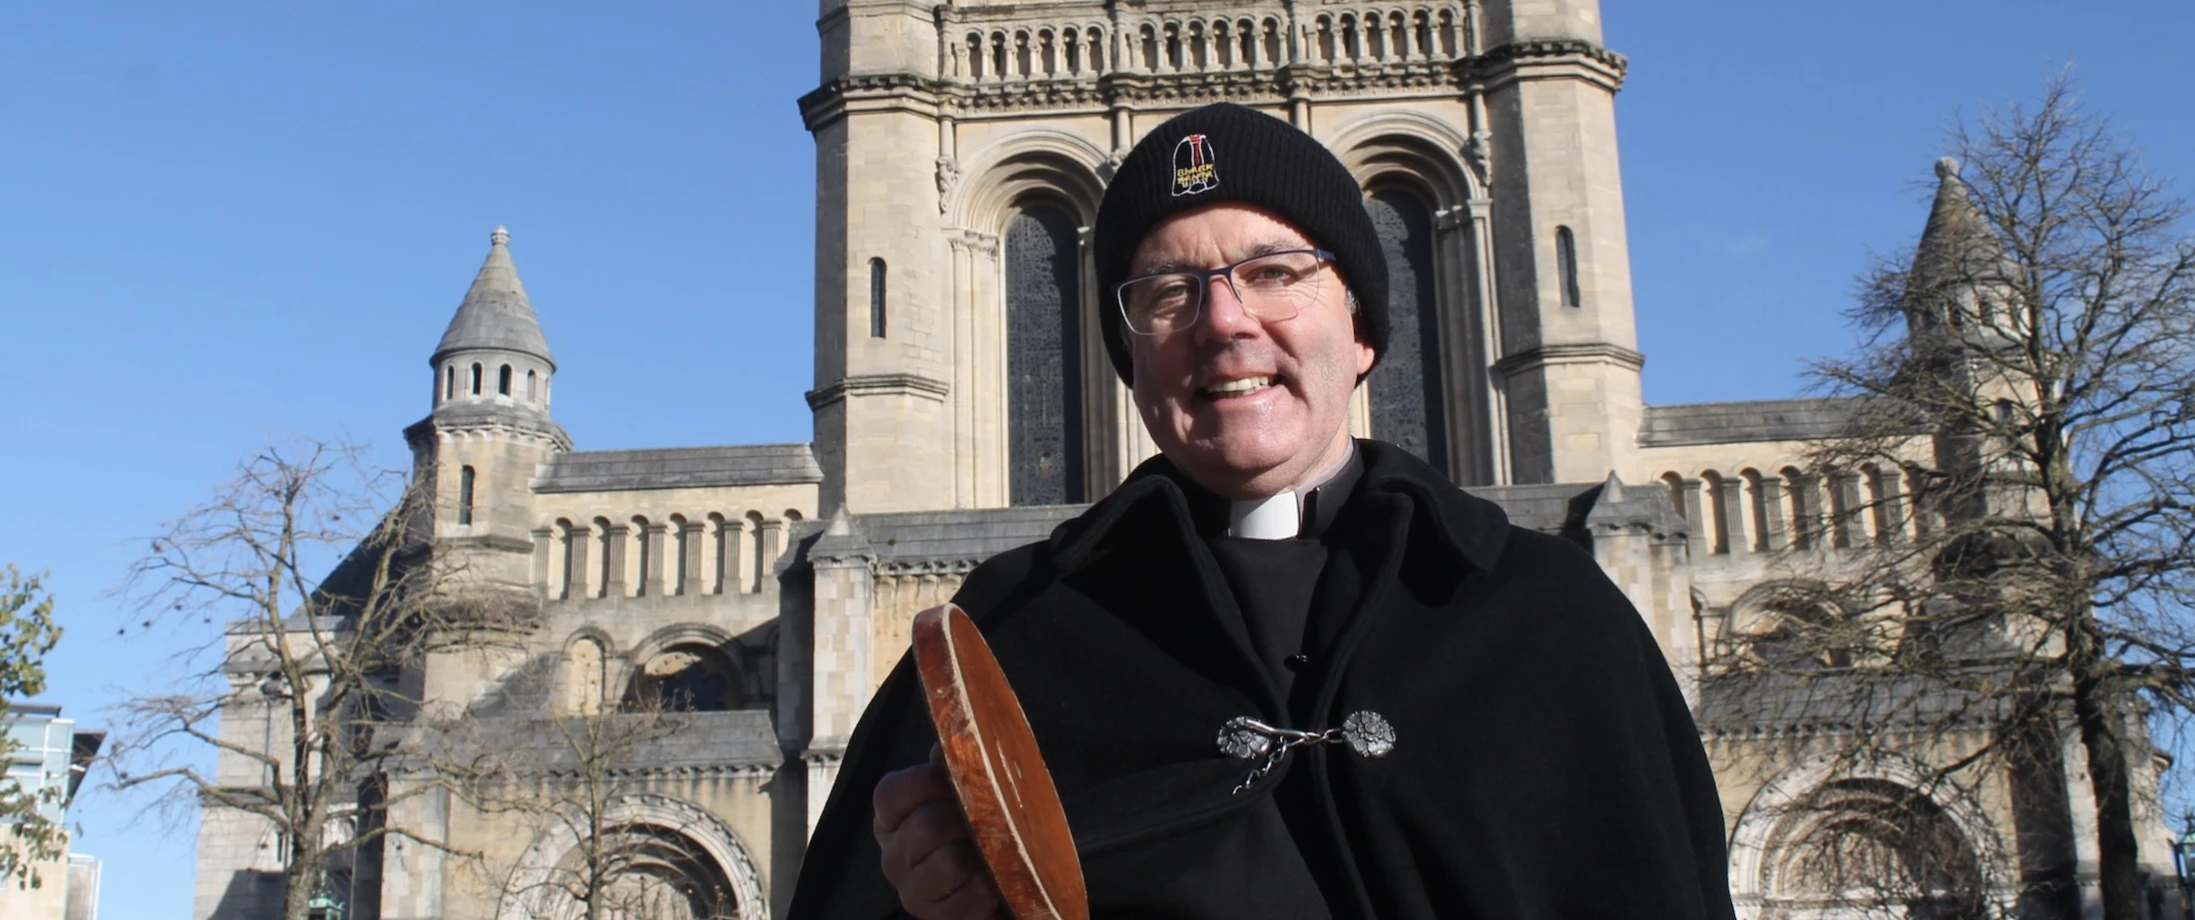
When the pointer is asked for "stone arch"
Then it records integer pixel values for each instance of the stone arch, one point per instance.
(1039, 160)
(1828, 803)
(1425, 149)
(1036, 187)
(533, 889)
(584, 674)
(1798, 623)
(688, 667)
(1398, 158)
(1717, 513)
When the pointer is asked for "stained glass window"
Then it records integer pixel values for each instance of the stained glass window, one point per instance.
(1406, 394)
(1044, 393)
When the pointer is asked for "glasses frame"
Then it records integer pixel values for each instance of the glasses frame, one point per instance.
(1204, 285)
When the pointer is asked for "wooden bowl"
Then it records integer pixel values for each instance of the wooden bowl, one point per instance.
(1012, 807)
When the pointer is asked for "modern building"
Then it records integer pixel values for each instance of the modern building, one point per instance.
(46, 759)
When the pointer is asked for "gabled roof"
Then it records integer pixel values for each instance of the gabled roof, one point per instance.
(495, 312)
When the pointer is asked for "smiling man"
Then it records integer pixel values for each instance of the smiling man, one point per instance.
(1282, 672)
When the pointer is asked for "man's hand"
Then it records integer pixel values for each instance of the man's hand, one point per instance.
(929, 856)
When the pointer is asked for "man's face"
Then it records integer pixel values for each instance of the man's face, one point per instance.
(1245, 407)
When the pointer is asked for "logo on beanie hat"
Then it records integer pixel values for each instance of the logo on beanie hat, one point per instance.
(1194, 170)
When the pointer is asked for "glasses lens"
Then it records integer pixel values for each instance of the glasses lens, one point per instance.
(1280, 285)
(1161, 303)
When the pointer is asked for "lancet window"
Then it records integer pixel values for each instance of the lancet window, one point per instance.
(1043, 358)
(1406, 388)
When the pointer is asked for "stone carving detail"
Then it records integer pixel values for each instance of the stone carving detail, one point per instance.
(948, 177)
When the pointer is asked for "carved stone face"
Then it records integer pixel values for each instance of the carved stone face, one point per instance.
(1246, 407)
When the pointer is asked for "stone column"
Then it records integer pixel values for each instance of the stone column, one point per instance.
(574, 576)
(651, 557)
(690, 559)
(613, 561)
(1775, 536)
(773, 546)
(1689, 505)
(1847, 530)
(1739, 536)
(544, 581)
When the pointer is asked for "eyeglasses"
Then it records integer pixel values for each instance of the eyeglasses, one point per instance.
(1272, 287)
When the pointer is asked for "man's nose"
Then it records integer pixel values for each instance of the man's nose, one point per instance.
(1224, 314)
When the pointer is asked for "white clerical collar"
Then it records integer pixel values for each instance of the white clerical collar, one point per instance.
(1279, 516)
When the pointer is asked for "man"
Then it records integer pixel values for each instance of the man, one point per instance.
(1486, 728)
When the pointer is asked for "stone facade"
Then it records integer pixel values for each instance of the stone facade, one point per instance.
(781, 579)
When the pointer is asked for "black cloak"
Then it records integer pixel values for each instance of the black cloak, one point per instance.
(1545, 764)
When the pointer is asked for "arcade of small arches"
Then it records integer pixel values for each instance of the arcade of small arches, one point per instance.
(1223, 42)
(689, 668)
(1749, 511)
(501, 379)
(636, 557)
(1025, 280)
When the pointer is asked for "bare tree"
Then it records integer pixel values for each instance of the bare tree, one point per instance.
(27, 633)
(310, 701)
(2028, 373)
(565, 779)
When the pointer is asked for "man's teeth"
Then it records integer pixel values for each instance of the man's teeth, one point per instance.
(1239, 387)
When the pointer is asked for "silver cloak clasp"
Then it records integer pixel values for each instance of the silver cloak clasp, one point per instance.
(1244, 738)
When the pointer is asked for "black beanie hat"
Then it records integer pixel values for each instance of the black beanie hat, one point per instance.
(1226, 152)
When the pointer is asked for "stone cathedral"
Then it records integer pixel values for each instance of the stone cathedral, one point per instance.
(963, 405)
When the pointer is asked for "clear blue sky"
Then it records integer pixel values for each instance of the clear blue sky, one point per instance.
(224, 222)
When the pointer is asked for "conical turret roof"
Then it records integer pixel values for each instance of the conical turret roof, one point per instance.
(495, 312)
(1957, 246)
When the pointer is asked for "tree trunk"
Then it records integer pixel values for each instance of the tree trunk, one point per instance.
(2118, 860)
(303, 882)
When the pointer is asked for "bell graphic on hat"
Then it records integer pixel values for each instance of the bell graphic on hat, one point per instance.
(1193, 168)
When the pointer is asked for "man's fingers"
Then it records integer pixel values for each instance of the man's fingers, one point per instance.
(900, 792)
(978, 898)
(941, 873)
(929, 828)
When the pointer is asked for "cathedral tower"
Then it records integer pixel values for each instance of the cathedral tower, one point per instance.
(1570, 361)
(962, 149)
(490, 428)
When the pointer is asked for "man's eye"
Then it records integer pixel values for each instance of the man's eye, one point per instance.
(1269, 275)
(1169, 294)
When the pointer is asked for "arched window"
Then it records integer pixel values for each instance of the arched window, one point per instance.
(503, 381)
(876, 298)
(682, 542)
(531, 392)
(476, 378)
(1043, 366)
(605, 537)
(643, 556)
(575, 560)
(686, 678)
(465, 495)
(449, 382)
(1718, 512)
(1405, 389)
(1566, 264)
(583, 673)
(757, 551)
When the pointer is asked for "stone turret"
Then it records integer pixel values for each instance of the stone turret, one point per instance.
(489, 430)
